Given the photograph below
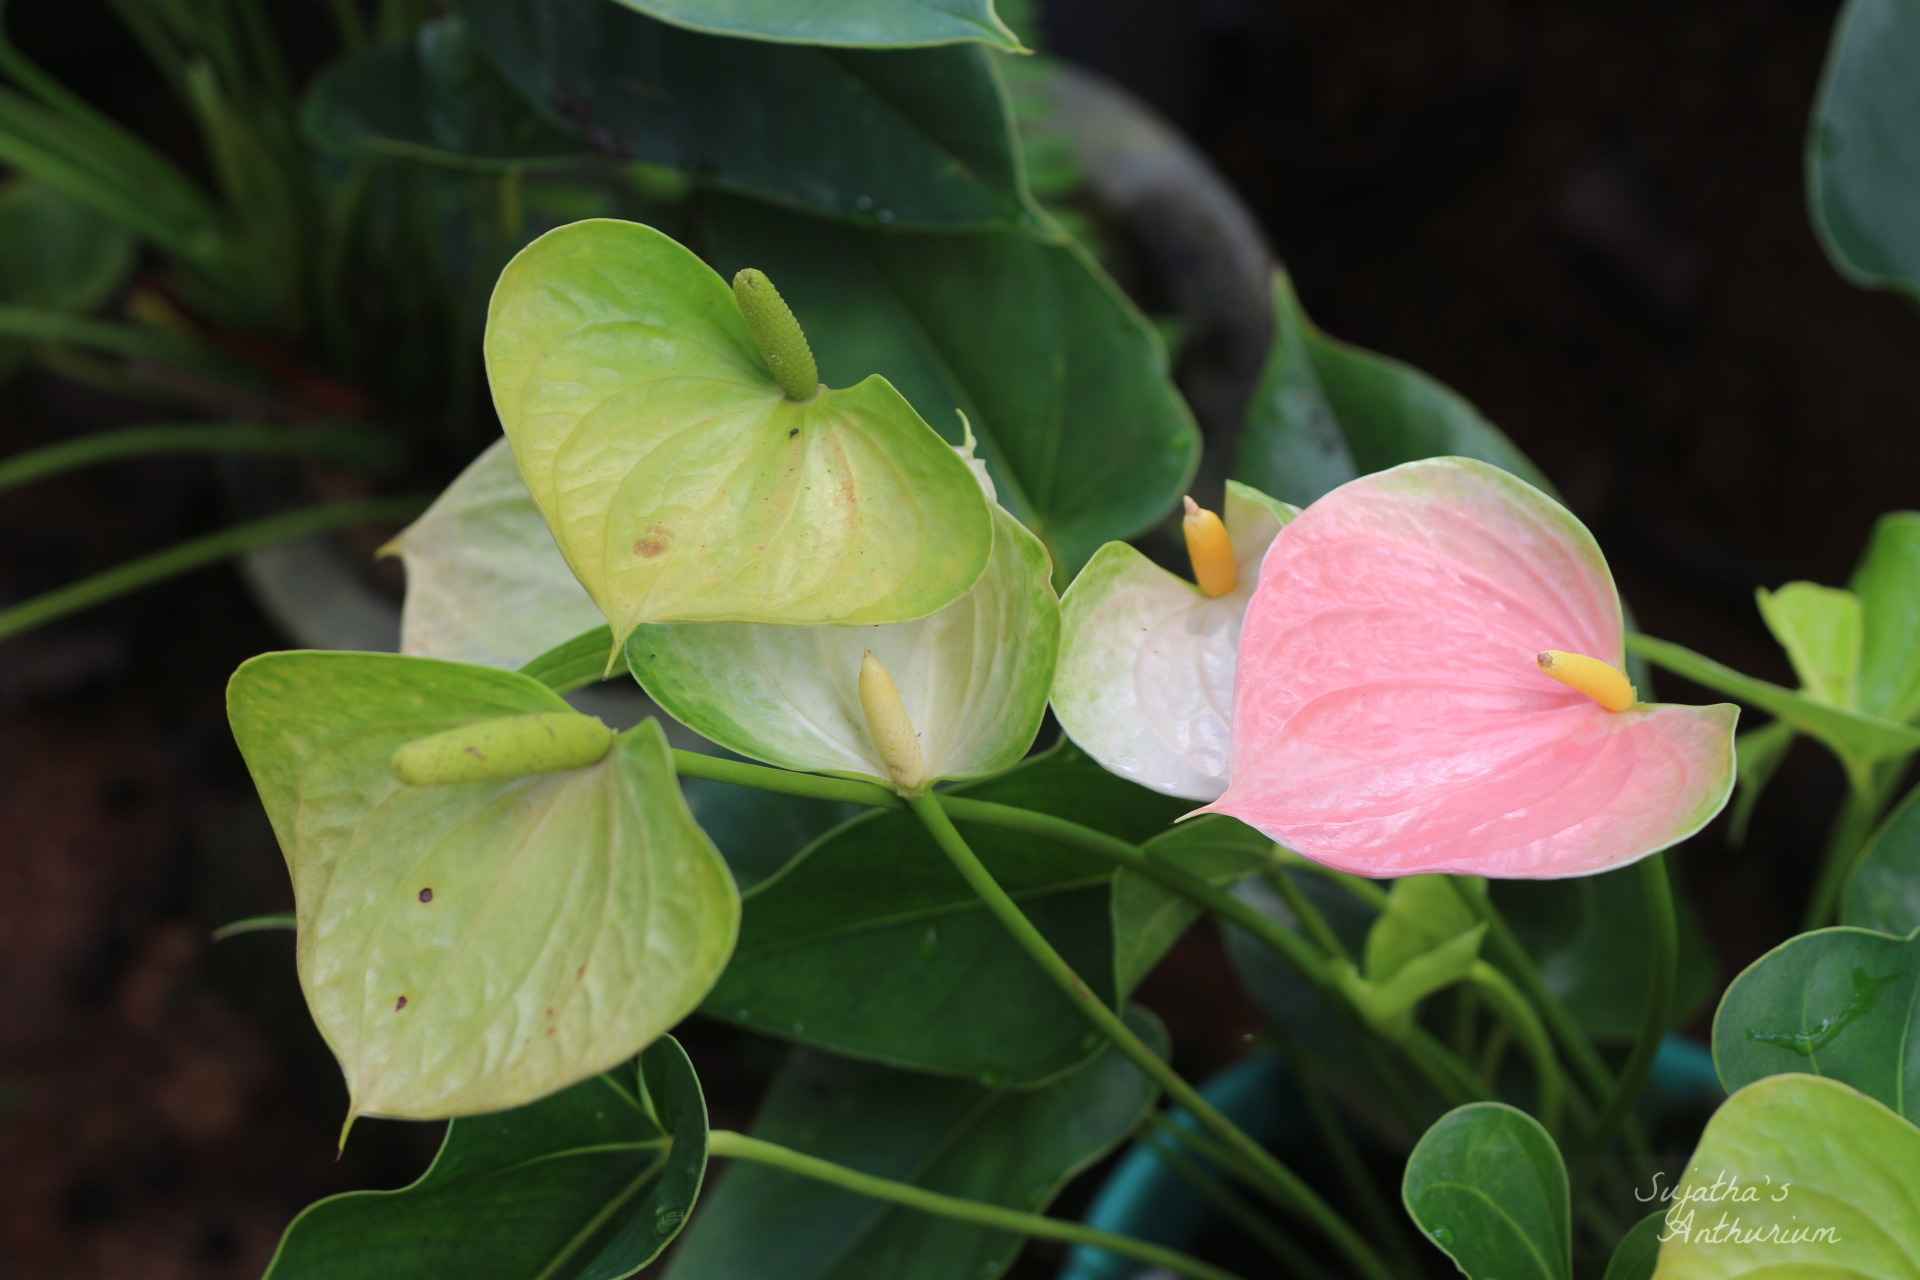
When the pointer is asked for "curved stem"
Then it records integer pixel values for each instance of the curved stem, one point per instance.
(197, 553)
(739, 1146)
(340, 444)
(1519, 1015)
(697, 764)
(1309, 916)
(1281, 1183)
(1859, 815)
(1661, 965)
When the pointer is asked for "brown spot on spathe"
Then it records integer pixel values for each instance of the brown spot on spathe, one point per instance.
(655, 541)
(426, 895)
(399, 1004)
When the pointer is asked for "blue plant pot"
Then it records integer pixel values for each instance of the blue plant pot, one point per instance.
(1146, 1199)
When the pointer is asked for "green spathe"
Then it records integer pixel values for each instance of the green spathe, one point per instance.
(681, 483)
(1797, 1176)
(475, 945)
(973, 676)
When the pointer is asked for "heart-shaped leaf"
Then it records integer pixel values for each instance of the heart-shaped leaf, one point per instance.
(681, 483)
(1326, 412)
(434, 99)
(471, 946)
(1863, 156)
(1147, 659)
(588, 1184)
(853, 23)
(1836, 1002)
(1012, 1147)
(973, 676)
(869, 944)
(1149, 919)
(905, 138)
(1486, 1184)
(1884, 891)
(1820, 628)
(1066, 384)
(485, 582)
(1887, 582)
(1797, 1176)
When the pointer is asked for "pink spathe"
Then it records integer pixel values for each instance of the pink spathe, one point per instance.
(1390, 715)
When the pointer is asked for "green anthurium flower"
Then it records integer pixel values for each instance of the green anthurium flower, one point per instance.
(972, 679)
(689, 465)
(485, 582)
(1145, 684)
(495, 896)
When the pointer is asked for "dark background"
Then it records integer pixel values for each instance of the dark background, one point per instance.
(1588, 219)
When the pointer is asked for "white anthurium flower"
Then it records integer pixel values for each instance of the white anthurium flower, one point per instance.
(973, 678)
(485, 582)
(1147, 658)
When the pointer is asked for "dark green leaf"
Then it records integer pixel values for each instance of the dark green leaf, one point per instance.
(869, 944)
(916, 138)
(588, 1184)
(1887, 580)
(436, 99)
(1588, 935)
(760, 832)
(1147, 919)
(1066, 386)
(55, 255)
(1326, 412)
(1884, 892)
(1488, 1187)
(1836, 1002)
(1639, 1250)
(900, 24)
(1863, 152)
(1008, 1147)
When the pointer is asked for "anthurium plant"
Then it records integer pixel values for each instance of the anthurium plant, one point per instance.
(833, 645)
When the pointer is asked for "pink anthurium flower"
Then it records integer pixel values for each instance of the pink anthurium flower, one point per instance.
(1430, 681)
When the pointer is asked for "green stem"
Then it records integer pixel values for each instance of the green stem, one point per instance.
(341, 444)
(191, 555)
(729, 1145)
(1519, 1015)
(1859, 815)
(1662, 966)
(1385, 1224)
(696, 764)
(1281, 1183)
(1309, 917)
(1365, 890)
(1175, 1143)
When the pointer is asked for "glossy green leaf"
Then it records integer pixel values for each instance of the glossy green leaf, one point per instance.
(1863, 154)
(869, 944)
(485, 582)
(1852, 735)
(1836, 1002)
(469, 947)
(1326, 412)
(55, 255)
(1758, 755)
(1063, 381)
(1012, 1147)
(1887, 582)
(901, 24)
(974, 676)
(1825, 1178)
(760, 832)
(588, 1184)
(1487, 1186)
(435, 99)
(1588, 936)
(679, 481)
(1639, 1250)
(1884, 890)
(1819, 627)
(918, 138)
(1147, 660)
(1148, 919)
